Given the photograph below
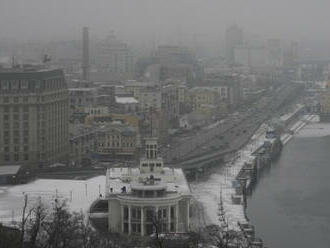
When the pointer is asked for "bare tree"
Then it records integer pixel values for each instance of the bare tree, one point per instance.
(25, 216)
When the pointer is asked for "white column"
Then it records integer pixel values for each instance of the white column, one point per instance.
(122, 218)
(142, 221)
(169, 218)
(188, 214)
(177, 217)
(129, 220)
(158, 221)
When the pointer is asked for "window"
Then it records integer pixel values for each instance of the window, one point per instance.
(4, 85)
(6, 99)
(150, 215)
(26, 156)
(6, 157)
(149, 193)
(125, 213)
(136, 228)
(136, 213)
(37, 84)
(14, 84)
(125, 227)
(16, 157)
(24, 84)
(172, 212)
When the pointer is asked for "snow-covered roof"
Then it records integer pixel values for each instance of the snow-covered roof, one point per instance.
(173, 179)
(9, 169)
(125, 99)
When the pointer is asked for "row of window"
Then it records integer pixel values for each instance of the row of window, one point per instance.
(150, 214)
(26, 99)
(16, 157)
(116, 144)
(16, 148)
(32, 84)
(16, 140)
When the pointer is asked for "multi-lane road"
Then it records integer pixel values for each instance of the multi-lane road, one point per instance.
(229, 134)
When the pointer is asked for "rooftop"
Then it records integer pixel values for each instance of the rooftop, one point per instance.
(125, 99)
(171, 179)
(9, 169)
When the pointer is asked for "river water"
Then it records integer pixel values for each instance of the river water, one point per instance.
(290, 206)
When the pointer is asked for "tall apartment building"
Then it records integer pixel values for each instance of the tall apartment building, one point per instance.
(113, 61)
(234, 38)
(33, 116)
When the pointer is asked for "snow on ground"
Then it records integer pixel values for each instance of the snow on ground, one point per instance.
(79, 195)
(315, 130)
(208, 193)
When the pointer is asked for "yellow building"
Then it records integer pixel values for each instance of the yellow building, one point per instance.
(115, 140)
(202, 96)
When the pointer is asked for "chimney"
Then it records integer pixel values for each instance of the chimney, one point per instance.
(85, 57)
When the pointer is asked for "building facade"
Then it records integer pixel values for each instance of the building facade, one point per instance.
(33, 116)
(148, 197)
(116, 140)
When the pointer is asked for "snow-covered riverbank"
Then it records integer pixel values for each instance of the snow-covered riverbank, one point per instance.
(208, 192)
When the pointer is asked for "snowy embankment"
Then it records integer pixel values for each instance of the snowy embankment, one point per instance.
(208, 192)
(78, 194)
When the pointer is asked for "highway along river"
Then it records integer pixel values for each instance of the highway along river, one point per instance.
(290, 206)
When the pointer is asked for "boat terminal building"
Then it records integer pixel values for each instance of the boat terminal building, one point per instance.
(149, 197)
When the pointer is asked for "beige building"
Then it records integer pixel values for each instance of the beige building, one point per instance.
(116, 140)
(204, 97)
(33, 117)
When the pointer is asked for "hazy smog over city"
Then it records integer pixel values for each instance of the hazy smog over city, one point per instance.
(164, 124)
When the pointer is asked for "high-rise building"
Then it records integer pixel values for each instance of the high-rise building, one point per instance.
(33, 116)
(234, 38)
(85, 57)
(114, 61)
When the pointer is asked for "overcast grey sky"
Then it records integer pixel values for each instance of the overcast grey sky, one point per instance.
(163, 19)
